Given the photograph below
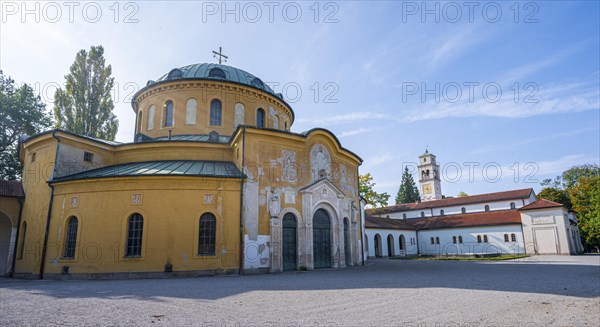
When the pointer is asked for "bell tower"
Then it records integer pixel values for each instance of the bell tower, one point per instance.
(429, 177)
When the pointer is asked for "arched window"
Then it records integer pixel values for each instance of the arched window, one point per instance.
(478, 238)
(422, 213)
(239, 115)
(215, 112)
(403, 216)
(513, 237)
(275, 122)
(366, 243)
(442, 212)
(168, 114)
(512, 205)
(71, 238)
(22, 240)
(401, 240)
(485, 239)
(460, 239)
(487, 207)
(260, 118)
(216, 72)
(432, 240)
(207, 237)
(175, 73)
(454, 239)
(505, 237)
(437, 240)
(135, 228)
(151, 112)
(190, 112)
(463, 210)
(139, 122)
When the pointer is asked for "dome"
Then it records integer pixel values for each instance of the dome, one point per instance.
(216, 72)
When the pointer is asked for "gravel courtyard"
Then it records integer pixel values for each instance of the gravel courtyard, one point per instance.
(538, 291)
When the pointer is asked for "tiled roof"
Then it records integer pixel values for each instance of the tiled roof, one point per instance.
(472, 199)
(541, 204)
(196, 168)
(490, 218)
(11, 189)
(387, 223)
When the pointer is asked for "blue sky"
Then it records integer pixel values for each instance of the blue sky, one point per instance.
(378, 67)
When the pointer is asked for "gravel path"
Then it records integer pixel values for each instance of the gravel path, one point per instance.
(542, 291)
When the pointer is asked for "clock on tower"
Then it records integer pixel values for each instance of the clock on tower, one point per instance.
(429, 177)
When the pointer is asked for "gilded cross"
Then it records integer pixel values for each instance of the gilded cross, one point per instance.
(220, 56)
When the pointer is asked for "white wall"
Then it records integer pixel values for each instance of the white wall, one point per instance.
(495, 244)
(453, 210)
(541, 227)
(409, 249)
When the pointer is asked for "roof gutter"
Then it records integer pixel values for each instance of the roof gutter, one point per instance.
(50, 202)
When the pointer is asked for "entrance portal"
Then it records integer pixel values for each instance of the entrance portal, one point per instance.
(321, 239)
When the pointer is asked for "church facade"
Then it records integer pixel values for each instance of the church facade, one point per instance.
(508, 222)
(214, 182)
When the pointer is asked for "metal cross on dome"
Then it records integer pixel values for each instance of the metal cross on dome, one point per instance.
(220, 56)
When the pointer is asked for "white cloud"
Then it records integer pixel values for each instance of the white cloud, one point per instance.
(344, 118)
(361, 130)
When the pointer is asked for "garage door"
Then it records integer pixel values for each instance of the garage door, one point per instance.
(545, 241)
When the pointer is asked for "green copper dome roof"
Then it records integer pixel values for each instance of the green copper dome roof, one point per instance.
(216, 72)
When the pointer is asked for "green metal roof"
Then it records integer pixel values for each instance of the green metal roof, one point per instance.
(232, 74)
(192, 168)
(194, 137)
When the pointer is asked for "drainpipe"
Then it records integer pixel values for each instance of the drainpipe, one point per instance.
(241, 270)
(51, 201)
(16, 246)
(362, 232)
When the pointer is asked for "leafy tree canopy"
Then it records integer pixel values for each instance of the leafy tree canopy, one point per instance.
(21, 112)
(578, 189)
(366, 189)
(85, 106)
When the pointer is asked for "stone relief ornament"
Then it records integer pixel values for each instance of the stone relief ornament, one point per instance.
(274, 203)
(320, 162)
(289, 172)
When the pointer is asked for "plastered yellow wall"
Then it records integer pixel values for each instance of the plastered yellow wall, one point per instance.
(263, 148)
(204, 92)
(35, 207)
(171, 208)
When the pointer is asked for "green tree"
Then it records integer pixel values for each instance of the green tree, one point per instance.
(462, 194)
(585, 196)
(85, 106)
(557, 195)
(408, 191)
(21, 112)
(366, 189)
(578, 189)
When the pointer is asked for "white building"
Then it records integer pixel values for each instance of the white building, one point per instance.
(509, 222)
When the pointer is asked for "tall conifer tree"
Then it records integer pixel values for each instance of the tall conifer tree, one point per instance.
(408, 191)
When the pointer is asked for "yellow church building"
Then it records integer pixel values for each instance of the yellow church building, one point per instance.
(215, 182)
